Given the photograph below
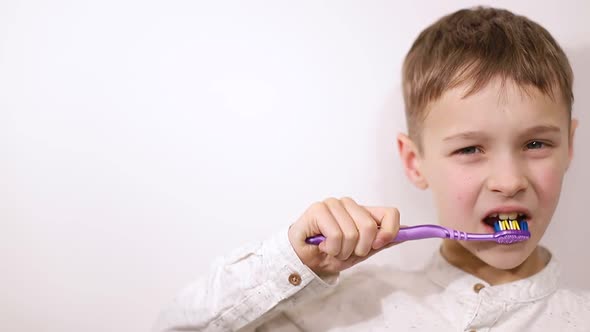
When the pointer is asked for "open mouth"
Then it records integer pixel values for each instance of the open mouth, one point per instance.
(491, 219)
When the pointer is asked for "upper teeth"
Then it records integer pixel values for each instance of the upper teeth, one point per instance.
(506, 216)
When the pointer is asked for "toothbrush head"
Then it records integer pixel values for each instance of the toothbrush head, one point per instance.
(511, 231)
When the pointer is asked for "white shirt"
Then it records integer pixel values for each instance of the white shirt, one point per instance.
(265, 287)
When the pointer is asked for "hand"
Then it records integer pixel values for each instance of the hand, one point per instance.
(353, 233)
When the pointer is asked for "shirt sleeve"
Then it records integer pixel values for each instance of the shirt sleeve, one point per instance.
(244, 288)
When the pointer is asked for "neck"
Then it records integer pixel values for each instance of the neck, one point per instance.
(463, 259)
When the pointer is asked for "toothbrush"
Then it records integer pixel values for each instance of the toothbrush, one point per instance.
(506, 232)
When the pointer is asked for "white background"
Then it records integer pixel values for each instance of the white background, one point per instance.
(139, 139)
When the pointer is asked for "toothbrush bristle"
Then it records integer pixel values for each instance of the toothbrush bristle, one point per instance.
(511, 231)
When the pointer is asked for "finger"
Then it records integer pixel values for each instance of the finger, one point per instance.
(389, 225)
(353, 260)
(381, 212)
(365, 223)
(347, 226)
(327, 225)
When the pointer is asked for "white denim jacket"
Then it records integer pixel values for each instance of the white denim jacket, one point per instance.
(265, 287)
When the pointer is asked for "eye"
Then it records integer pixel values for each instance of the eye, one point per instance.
(535, 145)
(468, 150)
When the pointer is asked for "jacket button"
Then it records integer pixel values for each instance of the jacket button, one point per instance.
(478, 287)
(295, 279)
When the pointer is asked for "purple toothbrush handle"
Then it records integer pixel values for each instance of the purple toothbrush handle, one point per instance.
(404, 234)
(436, 231)
(315, 240)
(422, 232)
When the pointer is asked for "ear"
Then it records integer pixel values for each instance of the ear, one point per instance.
(410, 156)
(573, 127)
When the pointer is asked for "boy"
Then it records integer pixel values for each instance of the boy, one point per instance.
(488, 98)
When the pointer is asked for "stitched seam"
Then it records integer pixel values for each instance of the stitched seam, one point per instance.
(476, 311)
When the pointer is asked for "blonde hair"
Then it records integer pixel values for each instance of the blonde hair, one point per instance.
(474, 46)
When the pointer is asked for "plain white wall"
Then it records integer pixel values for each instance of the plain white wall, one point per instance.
(139, 139)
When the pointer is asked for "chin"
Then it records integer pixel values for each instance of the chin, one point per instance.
(504, 257)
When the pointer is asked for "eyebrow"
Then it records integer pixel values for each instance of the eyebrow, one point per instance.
(540, 129)
(466, 135)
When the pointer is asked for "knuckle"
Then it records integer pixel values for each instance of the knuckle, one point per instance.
(330, 201)
(317, 207)
(347, 199)
(351, 236)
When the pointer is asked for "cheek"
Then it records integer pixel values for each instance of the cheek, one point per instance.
(547, 181)
(456, 191)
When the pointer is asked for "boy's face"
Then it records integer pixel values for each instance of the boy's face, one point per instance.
(499, 150)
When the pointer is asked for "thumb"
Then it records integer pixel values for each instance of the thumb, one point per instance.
(383, 247)
(386, 235)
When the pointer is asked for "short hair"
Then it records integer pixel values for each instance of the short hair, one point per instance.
(473, 46)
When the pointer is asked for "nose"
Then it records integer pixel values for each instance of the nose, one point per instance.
(507, 177)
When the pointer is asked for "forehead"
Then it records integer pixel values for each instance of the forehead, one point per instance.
(499, 106)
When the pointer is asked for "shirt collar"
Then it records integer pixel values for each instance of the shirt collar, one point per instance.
(455, 280)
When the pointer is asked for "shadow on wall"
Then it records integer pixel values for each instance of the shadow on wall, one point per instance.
(567, 235)
(396, 190)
